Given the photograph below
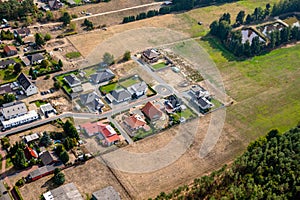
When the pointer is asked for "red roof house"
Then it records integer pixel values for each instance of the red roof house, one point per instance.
(151, 111)
(10, 50)
(135, 122)
(109, 134)
(30, 153)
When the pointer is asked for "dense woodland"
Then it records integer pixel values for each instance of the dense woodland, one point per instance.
(14, 9)
(269, 169)
(232, 40)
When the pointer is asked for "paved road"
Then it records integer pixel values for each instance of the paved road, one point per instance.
(122, 131)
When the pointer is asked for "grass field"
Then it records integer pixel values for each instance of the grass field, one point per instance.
(129, 82)
(72, 55)
(159, 66)
(110, 87)
(38, 103)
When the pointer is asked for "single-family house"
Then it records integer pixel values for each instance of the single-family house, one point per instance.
(13, 109)
(118, 96)
(203, 103)
(36, 58)
(10, 50)
(92, 101)
(151, 111)
(47, 109)
(135, 122)
(30, 153)
(137, 90)
(27, 86)
(102, 76)
(201, 98)
(48, 158)
(72, 80)
(25, 60)
(64, 192)
(6, 63)
(22, 32)
(151, 55)
(106, 193)
(4, 89)
(107, 132)
(173, 104)
(55, 4)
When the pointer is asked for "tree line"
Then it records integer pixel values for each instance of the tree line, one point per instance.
(232, 40)
(269, 169)
(14, 9)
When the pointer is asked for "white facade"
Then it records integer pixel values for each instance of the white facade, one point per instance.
(31, 90)
(29, 117)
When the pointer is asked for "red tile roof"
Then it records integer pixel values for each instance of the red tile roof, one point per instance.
(9, 48)
(151, 111)
(30, 153)
(135, 121)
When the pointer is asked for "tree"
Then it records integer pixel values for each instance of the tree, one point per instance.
(249, 19)
(70, 130)
(240, 17)
(19, 39)
(9, 98)
(89, 25)
(30, 71)
(60, 63)
(57, 85)
(66, 18)
(49, 15)
(64, 157)
(58, 149)
(5, 142)
(256, 46)
(17, 68)
(126, 56)
(45, 140)
(19, 159)
(59, 178)
(72, 26)
(108, 58)
(39, 40)
(44, 63)
(47, 37)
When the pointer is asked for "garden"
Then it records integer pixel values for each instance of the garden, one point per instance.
(160, 65)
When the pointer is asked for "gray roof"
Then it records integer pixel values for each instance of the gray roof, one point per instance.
(138, 87)
(24, 81)
(45, 170)
(47, 158)
(151, 54)
(120, 94)
(102, 76)
(64, 192)
(92, 100)
(72, 79)
(23, 31)
(108, 193)
(14, 108)
(4, 194)
(35, 57)
(7, 62)
(203, 103)
(47, 108)
(5, 89)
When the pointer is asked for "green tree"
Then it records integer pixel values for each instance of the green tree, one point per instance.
(49, 16)
(57, 85)
(66, 18)
(58, 149)
(19, 39)
(59, 178)
(89, 25)
(64, 157)
(17, 68)
(19, 159)
(45, 140)
(126, 56)
(9, 97)
(39, 40)
(47, 37)
(44, 63)
(72, 26)
(70, 130)
(240, 17)
(108, 58)
(5, 142)
(60, 63)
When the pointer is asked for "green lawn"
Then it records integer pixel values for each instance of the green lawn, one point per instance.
(63, 82)
(141, 133)
(110, 87)
(129, 82)
(38, 103)
(8, 75)
(74, 54)
(77, 1)
(159, 66)
(187, 113)
(217, 104)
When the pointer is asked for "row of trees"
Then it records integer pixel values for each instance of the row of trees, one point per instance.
(143, 15)
(269, 169)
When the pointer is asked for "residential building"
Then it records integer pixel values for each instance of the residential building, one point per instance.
(173, 104)
(10, 50)
(106, 193)
(201, 98)
(107, 132)
(139, 89)
(6, 63)
(4, 89)
(151, 111)
(135, 122)
(27, 86)
(48, 158)
(30, 153)
(102, 76)
(92, 101)
(26, 118)
(72, 80)
(44, 171)
(47, 109)
(55, 4)
(25, 60)
(151, 55)
(13, 109)
(36, 58)
(64, 192)
(31, 138)
(118, 96)
(22, 32)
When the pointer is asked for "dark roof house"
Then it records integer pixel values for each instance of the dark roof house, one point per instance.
(6, 63)
(35, 58)
(48, 158)
(118, 96)
(72, 80)
(92, 101)
(28, 87)
(102, 76)
(151, 55)
(54, 4)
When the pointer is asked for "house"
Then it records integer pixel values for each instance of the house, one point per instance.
(30, 153)
(201, 98)
(106, 193)
(47, 109)
(13, 109)
(72, 80)
(48, 158)
(10, 50)
(203, 103)
(64, 192)
(92, 101)
(25, 60)
(173, 104)
(22, 32)
(151, 111)
(151, 55)
(135, 122)
(118, 96)
(4, 89)
(23, 119)
(107, 132)
(139, 89)
(27, 86)
(31, 137)
(55, 4)
(35, 58)
(6, 63)
(44, 171)
(199, 91)
(102, 76)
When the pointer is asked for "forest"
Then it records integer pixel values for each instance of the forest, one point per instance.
(13, 9)
(223, 29)
(269, 169)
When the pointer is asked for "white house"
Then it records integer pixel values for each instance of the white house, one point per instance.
(13, 109)
(27, 86)
(138, 89)
(29, 117)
